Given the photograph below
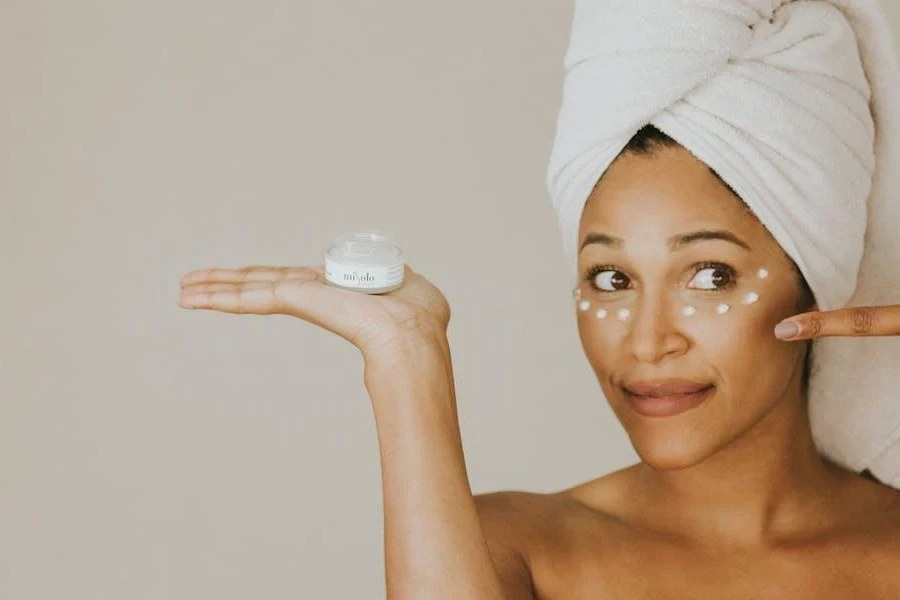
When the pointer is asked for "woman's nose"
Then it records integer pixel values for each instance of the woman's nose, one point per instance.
(653, 333)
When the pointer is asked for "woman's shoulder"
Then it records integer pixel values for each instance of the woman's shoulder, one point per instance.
(543, 518)
(559, 537)
(874, 505)
(880, 510)
(533, 521)
(871, 544)
(543, 521)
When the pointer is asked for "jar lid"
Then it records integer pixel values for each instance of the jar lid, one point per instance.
(365, 247)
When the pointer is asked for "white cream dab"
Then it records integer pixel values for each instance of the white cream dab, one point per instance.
(584, 304)
(762, 273)
(601, 313)
(623, 314)
(688, 311)
(576, 292)
(722, 309)
(750, 298)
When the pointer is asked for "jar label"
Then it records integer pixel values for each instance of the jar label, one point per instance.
(363, 276)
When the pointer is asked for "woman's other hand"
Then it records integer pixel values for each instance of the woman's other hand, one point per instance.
(855, 321)
(371, 322)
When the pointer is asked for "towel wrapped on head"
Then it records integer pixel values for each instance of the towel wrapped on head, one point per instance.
(794, 104)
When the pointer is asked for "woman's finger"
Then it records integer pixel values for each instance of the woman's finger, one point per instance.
(254, 273)
(855, 321)
(195, 288)
(239, 298)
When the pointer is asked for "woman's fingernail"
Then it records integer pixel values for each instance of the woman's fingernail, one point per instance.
(787, 329)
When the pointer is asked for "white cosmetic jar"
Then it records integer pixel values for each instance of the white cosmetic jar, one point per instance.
(365, 260)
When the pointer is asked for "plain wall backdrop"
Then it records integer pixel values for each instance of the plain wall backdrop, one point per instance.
(153, 452)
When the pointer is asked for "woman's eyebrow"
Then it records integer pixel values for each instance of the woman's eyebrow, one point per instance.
(676, 242)
(602, 238)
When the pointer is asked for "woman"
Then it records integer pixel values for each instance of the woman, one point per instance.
(730, 498)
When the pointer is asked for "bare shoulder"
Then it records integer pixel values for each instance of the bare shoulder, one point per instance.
(881, 505)
(544, 538)
(536, 521)
(506, 519)
(520, 524)
(874, 548)
(529, 519)
(888, 519)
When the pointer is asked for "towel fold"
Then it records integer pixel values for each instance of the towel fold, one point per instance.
(794, 104)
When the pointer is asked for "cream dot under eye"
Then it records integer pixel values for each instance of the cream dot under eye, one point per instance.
(584, 305)
(688, 310)
(601, 314)
(623, 314)
(750, 298)
(762, 273)
(722, 309)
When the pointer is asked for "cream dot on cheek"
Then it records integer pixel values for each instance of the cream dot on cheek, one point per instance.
(750, 298)
(601, 313)
(762, 273)
(584, 305)
(688, 311)
(623, 314)
(722, 309)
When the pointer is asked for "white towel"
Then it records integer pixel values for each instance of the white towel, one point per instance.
(795, 105)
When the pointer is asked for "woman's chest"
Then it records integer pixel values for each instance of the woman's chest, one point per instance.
(616, 568)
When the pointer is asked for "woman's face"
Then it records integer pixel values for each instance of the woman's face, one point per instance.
(663, 303)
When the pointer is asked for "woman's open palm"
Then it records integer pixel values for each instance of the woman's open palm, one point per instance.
(368, 321)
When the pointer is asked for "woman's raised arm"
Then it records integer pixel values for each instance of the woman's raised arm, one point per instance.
(435, 545)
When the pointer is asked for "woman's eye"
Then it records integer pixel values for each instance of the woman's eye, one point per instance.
(611, 281)
(713, 278)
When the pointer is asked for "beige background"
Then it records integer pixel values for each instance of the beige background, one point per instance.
(151, 452)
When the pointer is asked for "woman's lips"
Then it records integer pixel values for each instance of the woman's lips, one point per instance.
(668, 405)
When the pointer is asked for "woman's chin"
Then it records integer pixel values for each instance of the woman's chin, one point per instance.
(666, 452)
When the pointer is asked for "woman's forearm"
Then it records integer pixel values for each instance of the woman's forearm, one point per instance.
(433, 540)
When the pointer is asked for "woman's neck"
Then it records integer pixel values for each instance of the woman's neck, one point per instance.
(767, 487)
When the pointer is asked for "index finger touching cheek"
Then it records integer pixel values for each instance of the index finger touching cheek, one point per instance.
(854, 321)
